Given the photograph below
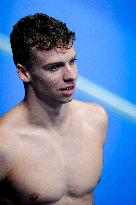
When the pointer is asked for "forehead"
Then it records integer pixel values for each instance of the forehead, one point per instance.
(54, 55)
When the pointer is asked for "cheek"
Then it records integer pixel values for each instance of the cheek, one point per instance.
(43, 81)
(76, 74)
(75, 71)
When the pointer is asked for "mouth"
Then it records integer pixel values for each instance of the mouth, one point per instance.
(69, 90)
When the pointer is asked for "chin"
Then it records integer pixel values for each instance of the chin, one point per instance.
(64, 101)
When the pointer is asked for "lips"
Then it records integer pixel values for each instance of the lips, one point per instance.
(68, 90)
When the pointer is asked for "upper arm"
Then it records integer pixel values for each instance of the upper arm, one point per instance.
(100, 121)
(102, 124)
(4, 158)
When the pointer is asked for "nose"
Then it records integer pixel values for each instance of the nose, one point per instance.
(70, 73)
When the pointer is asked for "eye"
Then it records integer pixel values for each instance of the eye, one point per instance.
(72, 62)
(53, 68)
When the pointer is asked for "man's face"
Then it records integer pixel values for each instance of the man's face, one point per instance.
(54, 74)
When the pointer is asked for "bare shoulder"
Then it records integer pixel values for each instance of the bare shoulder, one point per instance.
(96, 111)
(8, 140)
(6, 132)
(99, 113)
(13, 119)
(95, 116)
(8, 125)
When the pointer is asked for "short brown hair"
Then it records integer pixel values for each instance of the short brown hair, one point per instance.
(40, 31)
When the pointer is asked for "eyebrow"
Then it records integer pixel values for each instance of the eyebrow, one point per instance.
(59, 63)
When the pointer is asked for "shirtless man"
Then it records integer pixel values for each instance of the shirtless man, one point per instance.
(50, 145)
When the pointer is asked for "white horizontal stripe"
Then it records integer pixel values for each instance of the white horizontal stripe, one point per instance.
(90, 88)
(5, 44)
(114, 101)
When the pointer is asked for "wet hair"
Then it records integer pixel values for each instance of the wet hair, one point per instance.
(38, 31)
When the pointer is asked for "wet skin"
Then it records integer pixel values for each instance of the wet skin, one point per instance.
(51, 145)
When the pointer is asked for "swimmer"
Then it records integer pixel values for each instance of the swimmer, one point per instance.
(50, 144)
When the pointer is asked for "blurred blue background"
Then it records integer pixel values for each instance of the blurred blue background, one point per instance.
(106, 47)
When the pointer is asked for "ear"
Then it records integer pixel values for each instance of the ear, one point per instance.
(23, 73)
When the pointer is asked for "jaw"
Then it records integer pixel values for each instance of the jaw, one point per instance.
(67, 100)
(53, 99)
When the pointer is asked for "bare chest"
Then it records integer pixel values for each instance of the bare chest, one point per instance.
(47, 168)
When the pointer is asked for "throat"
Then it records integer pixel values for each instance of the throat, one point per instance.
(43, 115)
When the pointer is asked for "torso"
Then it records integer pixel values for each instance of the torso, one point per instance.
(53, 168)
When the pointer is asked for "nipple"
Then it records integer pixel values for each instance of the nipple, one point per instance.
(33, 196)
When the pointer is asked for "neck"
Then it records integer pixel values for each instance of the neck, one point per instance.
(44, 114)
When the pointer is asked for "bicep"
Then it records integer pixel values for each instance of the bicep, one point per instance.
(100, 122)
(103, 126)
